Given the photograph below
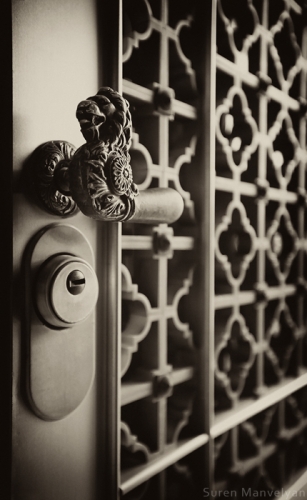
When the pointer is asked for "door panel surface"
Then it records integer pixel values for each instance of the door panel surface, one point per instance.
(55, 66)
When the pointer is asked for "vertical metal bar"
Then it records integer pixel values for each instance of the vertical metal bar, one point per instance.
(206, 29)
(163, 262)
(109, 272)
(108, 357)
(301, 210)
(162, 347)
(261, 204)
(281, 409)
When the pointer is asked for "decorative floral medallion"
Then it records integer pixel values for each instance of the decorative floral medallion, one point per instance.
(103, 200)
(102, 182)
(120, 175)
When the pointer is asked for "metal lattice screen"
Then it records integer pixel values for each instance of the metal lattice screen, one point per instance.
(260, 241)
(258, 344)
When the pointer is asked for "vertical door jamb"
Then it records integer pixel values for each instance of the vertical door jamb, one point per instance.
(206, 63)
(6, 265)
(109, 18)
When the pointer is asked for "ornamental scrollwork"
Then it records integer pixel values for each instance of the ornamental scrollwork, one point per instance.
(101, 176)
(98, 177)
(47, 159)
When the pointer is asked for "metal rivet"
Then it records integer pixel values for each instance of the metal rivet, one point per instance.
(162, 386)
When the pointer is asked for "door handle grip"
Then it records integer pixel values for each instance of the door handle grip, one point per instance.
(98, 178)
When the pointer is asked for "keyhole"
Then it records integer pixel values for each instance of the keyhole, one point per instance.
(75, 282)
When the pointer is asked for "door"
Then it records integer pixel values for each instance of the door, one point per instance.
(58, 61)
(189, 375)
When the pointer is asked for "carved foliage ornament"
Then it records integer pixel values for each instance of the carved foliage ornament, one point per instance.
(98, 176)
(48, 159)
(101, 175)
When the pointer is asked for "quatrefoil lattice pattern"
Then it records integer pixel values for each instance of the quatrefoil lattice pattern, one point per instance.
(260, 241)
(143, 33)
(234, 357)
(285, 51)
(158, 352)
(159, 356)
(136, 27)
(236, 243)
(265, 450)
(136, 319)
(284, 150)
(133, 452)
(214, 307)
(255, 432)
(241, 24)
(260, 187)
(282, 339)
(236, 129)
(283, 243)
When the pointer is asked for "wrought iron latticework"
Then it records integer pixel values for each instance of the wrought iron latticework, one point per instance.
(260, 279)
(178, 434)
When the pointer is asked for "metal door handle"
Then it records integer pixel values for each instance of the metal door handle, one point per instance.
(97, 178)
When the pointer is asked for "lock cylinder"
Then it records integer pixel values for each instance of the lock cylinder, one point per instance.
(66, 290)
